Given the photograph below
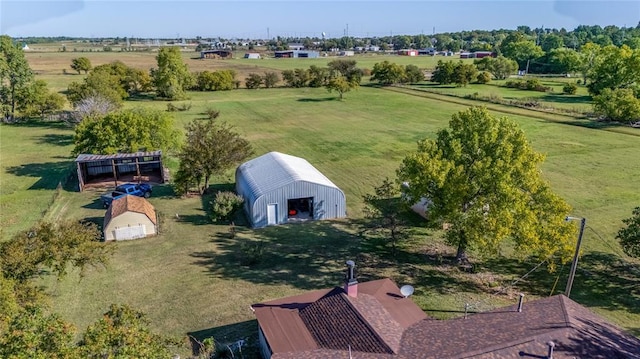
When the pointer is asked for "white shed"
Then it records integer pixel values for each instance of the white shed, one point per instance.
(130, 217)
(279, 188)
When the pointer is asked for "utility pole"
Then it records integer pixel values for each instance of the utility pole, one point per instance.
(574, 264)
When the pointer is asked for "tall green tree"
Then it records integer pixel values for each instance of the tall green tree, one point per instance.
(500, 67)
(270, 79)
(126, 131)
(387, 73)
(629, 236)
(483, 178)
(588, 59)
(619, 105)
(464, 73)
(15, 76)
(210, 148)
(172, 77)
(564, 60)
(444, 72)
(521, 51)
(615, 67)
(413, 74)
(39, 101)
(346, 68)
(81, 64)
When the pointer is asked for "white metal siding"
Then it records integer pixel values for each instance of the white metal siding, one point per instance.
(128, 219)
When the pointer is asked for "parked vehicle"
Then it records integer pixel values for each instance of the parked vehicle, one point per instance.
(134, 189)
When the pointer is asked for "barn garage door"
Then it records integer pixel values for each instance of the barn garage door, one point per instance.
(131, 232)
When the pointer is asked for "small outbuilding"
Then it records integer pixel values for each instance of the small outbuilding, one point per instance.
(107, 170)
(252, 55)
(130, 217)
(279, 188)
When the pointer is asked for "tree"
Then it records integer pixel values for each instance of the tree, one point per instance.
(464, 73)
(483, 178)
(172, 76)
(15, 76)
(92, 106)
(483, 77)
(500, 67)
(346, 68)
(105, 81)
(318, 76)
(253, 81)
(522, 51)
(52, 246)
(550, 42)
(39, 101)
(33, 334)
(270, 79)
(296, 78)
(617, 105)
(615, 67)
(386, 211)
(123, 332)
(443, 73)
(81, 64)
(588, 57)
(564, 61)
(630, 235)
(340, 84)
(412, 74)
(210, 149)
(126, 131)
(387, 73)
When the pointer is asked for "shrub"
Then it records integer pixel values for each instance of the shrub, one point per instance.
(211, 113)
(569, 89)
(530, 84)
(225, 205)
(617, 105)
(253, 81)
(252, 253)
(483, 77)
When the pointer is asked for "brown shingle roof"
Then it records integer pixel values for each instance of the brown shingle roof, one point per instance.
(501, 333)
(128, 203)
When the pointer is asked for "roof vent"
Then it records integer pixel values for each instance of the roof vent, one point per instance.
(520, 302)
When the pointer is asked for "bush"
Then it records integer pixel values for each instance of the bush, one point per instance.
(617, 105)
(225, 205)
(483, 77)
(252, 252)
(569, 89)
(530, 84)
(253, 81)
(211, 113)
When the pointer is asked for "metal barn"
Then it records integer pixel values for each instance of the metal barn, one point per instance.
(279, 188)
(106, 170)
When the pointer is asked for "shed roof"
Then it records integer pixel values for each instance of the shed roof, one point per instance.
(128, 203)
(275, 170)
(90, 158)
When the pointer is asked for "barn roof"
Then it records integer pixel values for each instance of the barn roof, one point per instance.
(275, 170)
(129, 203)
(90, 158)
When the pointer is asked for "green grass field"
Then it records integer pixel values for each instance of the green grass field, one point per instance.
(191, 278)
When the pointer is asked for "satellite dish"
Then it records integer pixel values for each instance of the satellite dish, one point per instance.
(406, 290)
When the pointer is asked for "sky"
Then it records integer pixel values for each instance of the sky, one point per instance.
(301, 18)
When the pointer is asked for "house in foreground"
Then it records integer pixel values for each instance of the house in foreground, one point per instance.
(279, 188)
(373, 320)
(129, 217)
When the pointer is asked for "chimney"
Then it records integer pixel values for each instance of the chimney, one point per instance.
(520, 302)
(550, 351)
(351, 284)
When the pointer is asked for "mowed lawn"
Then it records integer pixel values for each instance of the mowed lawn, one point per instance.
(193, 276)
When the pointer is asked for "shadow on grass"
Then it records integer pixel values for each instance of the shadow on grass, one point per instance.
(572, 99)
(40, 123)
(227, 335)
(307, 255)
(95, 204)
(56, 139)
(324, 99)
(98, 221)
(49, 173)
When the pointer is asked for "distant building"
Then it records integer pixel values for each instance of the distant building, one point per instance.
(465, 55)
(430, 51)
(346, 53)
(481, 54)
(216, 54)
(252, 55)
(295, 46)
(25, 46)
(408, 52)
(297, 54)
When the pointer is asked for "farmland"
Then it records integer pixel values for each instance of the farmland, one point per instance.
(191, 277)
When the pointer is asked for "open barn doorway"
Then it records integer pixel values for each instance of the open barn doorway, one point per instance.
(300, 209)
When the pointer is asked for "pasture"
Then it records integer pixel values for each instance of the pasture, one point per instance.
(194, 277)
